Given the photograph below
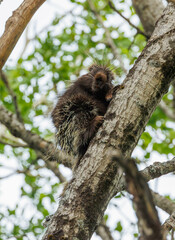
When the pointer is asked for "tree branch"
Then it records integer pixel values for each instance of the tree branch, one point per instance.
(104, 232)
(169, 225)
(158, 169)
(97, 178)
(149, 225)
(163, 203)
(47, 149)
(153, 171)
(169, 207)
(173, 1)
(139, 31)
(15, 26)
(53, 166)
(149, 12)
(137, 186)
(168, 112)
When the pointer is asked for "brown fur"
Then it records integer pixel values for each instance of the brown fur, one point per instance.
(79, 112)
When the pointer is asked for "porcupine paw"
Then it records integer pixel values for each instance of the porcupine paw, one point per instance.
(98, 120)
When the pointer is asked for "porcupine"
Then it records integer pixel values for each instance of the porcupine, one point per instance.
(79, 112)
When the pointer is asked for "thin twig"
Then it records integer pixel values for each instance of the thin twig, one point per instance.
(53, 166)
(167, 110)
(27, 40)
(139, 31)
(108, 36)
(14, 98)
(7, 176)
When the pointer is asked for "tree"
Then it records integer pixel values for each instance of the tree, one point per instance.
(58, 57)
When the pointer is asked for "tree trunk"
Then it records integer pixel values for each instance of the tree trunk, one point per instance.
(96, 180)
(149, 12)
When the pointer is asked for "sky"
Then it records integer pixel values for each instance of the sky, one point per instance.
(38, 23)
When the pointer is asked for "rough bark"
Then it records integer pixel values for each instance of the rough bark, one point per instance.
(149, 12)
(15, 26)
(96, 179)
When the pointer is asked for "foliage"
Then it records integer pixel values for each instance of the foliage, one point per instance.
(60, 54)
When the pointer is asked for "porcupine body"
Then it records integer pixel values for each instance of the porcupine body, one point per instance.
(79, 111)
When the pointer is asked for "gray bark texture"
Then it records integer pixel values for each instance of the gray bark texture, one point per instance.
(96, 180)
(149, 12)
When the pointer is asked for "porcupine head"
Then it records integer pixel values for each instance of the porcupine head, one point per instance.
(79, 112)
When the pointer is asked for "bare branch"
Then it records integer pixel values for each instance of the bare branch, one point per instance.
(163, 203)
(153, 171)
(108, 36)
(27, 41)
(169, 225)
(139, 31)
(149, 225)
(104, 232)
(173, 1)
(169, 207)
(15, 26)
(149, 12)
(53, 166)
(9, 175)
(167, 110)
(47, 149)
(158, 169)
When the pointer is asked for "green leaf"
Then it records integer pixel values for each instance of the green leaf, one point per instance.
(119, 227)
